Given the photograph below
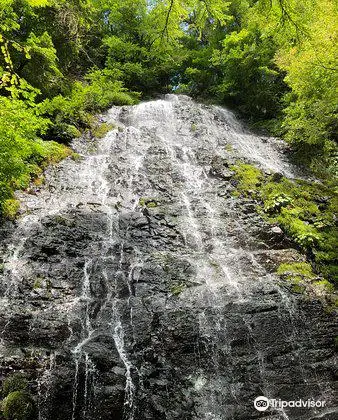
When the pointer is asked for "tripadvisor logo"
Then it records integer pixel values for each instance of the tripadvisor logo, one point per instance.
(263, 403)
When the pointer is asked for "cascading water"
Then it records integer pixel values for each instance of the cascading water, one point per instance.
(135, 286)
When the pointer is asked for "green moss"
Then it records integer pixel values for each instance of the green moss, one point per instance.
(15, 382)
(19, 405)
(324, 285)
(248, 177)
(298, 288)
(193, 127)
(178, 289)
(76, 157)
(303, 233)
(42, 153)
(229, 148)
(302, 268)
(148, 202)
(50, 152)
(298, 273)
(10, 208)
(306, 211)
(99, 131)
(308, 217)
(38, 283)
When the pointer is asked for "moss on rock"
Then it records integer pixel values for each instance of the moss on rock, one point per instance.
(15, 382)
(100, 130)
(297, 268)
(248, 178)
(306, 211)
(148, 202)
(19, 405)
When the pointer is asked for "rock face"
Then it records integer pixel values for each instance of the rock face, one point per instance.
(135, 286)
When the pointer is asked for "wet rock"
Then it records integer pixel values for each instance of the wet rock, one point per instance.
(172, 311)
(277, 230)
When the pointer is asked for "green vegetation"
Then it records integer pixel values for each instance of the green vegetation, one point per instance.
(100, 130)
(178, 289)
(75, 156)
(324, 285)
(148, 202)
(15, 382)
(63, 61)
(306, 211)
(10, 208)
(51, 82)
(17, 403)
(297, 273)
(248, 178)
(298, 268)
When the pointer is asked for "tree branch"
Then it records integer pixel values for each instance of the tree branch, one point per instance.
(165, 29)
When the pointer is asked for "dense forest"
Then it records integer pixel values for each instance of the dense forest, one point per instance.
(62, 62)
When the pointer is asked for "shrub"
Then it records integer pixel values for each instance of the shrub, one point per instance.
(22, 152)
(10, 208)
(100, 91)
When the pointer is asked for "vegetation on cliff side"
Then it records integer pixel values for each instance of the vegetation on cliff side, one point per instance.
(306, 211)
(61, 61)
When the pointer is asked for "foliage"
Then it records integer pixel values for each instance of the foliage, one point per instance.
(306, 211)
(311, 72)
(21, 150)
(74, 111)
(10, 208)
(275, 60)
(249, 76)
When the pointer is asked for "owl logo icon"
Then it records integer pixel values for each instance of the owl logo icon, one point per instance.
(261, 403)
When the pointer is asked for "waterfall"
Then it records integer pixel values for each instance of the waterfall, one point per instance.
(136, 286)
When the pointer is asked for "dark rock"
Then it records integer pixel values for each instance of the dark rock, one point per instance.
(173, 312)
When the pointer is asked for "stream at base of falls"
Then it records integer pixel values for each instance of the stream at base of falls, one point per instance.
(136, 286)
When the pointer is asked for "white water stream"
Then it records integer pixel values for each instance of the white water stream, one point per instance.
(162, 153)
